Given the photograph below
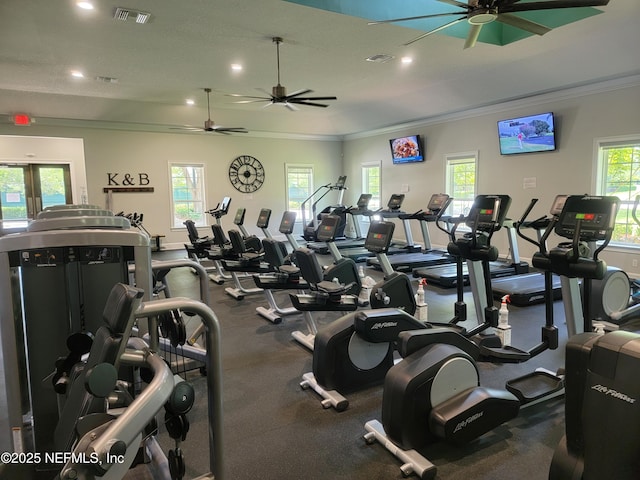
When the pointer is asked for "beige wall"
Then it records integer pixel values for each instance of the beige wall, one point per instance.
(580, 120)
(110, 151)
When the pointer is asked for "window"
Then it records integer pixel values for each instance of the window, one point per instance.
(371, 183)
(461, 181)
(299, 180)
(618, 174)
(187, 194)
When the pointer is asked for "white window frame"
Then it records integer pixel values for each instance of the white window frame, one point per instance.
(311, 174)
(624, 218)
(460, 206)
(200, 221)
(364, 169)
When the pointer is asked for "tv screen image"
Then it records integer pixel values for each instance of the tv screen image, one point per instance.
(535, 133)
(406, 149)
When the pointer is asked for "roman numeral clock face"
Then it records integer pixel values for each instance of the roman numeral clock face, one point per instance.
(246, 174)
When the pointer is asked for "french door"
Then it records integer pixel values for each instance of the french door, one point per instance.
(27, 189)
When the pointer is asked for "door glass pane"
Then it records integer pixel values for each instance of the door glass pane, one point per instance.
(13, 199)
(52, 186)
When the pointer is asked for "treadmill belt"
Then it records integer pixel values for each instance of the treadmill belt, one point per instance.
(406, 262)
(446, 275)
(524, 290)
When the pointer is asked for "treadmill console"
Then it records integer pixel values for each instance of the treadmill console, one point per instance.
(379, 237)
(239, 218)
(263, 218)
(287, 223)
(437, 201)
(327, 228)
(558, 205)
(340, 183)
(488, 212)
(395, 202)
(596, 217)
(363, 201)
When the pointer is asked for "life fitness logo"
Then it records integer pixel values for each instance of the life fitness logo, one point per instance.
(613, 393)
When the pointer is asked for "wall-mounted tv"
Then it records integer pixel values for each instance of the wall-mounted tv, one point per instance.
(535, 133)
(407, 149)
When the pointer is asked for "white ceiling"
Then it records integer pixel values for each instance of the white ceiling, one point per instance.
(190, 44)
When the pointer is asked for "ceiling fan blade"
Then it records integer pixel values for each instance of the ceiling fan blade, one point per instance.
(456, 3)
(268, 94)
(420, 17)
(310, 104)
(298, 92)
(522, 23)
(442, 27)
(314, 98)
(530, 6)
(472, 37)
(228, 130)
(186, 127)
(245, 96)
(291, 106)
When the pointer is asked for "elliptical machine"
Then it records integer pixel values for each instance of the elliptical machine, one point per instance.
(601, 407)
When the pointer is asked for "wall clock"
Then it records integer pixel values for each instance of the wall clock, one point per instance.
(246, 174)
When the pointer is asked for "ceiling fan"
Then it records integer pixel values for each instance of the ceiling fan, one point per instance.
(279, 95)
(481, 12)
(210, 126)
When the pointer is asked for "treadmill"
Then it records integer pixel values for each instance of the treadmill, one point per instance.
(393, 210)
(361, 209)
(446, 275)
(406, 262)
(529, 289)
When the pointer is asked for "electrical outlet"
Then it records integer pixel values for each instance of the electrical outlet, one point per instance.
(634, 262)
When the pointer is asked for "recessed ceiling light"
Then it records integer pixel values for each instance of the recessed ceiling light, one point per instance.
(406, 60)
(236, 67)
(379, 58)
(85, 5)
(190, 101)
(77, 74)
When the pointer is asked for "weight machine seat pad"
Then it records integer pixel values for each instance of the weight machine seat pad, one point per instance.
(108, 345)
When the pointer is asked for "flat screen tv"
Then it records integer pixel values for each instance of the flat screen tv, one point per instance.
(407, 149)
(535, 133)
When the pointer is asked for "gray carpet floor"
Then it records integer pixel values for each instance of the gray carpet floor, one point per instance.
(276, 430)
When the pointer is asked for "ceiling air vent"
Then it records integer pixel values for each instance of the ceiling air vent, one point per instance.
(379, 58)
(102, 79)
(126, 14)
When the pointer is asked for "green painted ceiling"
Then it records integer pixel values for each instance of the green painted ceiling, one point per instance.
(495, 33)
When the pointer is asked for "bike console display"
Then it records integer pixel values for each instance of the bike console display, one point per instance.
(327, 228)
(287, 223)
(379, 237)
